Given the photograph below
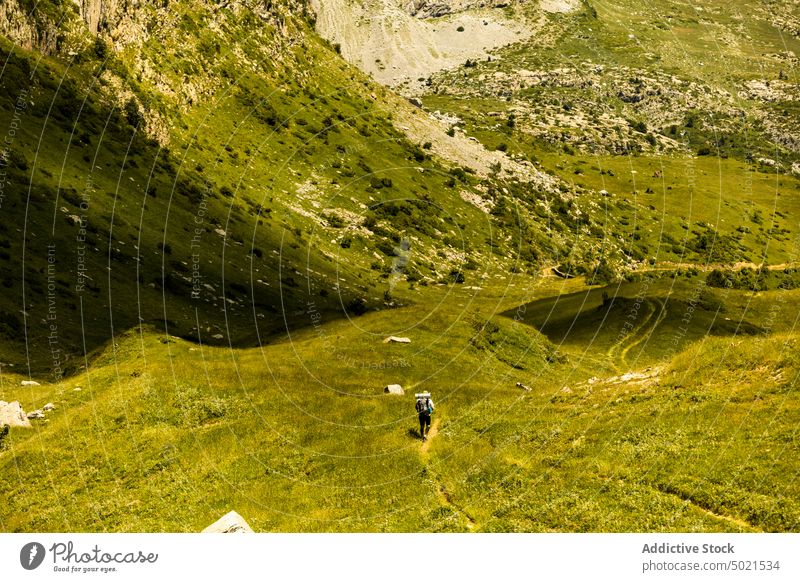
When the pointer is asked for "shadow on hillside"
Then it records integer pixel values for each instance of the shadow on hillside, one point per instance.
(659, 319)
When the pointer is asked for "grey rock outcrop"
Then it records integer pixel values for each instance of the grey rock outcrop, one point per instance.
(436, 8)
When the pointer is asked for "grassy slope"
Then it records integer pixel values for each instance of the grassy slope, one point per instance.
(165, 435)
(668, 61)
(297, 436)
(269, 157)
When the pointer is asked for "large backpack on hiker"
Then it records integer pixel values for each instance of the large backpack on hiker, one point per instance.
(424, 405)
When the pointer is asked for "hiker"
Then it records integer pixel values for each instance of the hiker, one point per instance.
(424, 410)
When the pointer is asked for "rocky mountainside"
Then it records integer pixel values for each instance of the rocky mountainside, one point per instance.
(206, 168)
(436, 8)
(398, 47)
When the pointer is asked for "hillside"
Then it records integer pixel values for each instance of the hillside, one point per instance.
(298, 436)
(215, 213)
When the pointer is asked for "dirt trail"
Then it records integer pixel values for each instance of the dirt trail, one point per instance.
(442, 494)
(551, 270)
(689, 502)
(446, 499)
(734, 267)
(434, 430)
(661, 309)
(616, 353)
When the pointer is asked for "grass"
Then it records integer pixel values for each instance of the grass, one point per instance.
(218, 231)
(661, 400)
(164, 435)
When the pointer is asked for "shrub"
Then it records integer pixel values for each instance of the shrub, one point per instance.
(334, 220)
(357, 306)
(456, 276)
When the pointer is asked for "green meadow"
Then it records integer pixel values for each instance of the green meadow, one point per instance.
(209, 232)
(160, 434)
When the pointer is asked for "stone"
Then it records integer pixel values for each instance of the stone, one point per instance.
(35, 414)
(231, 522)
(523, 386)
(397, 340)
(11, 413)
(48, 407)
(218, 336)
(415, 102)
(30, 383)
(394, 389)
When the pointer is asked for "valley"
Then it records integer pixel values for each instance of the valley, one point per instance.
(582, 215)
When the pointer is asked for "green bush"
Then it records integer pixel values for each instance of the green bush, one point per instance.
(4, 436)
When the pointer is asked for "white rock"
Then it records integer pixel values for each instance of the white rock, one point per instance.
(231, 522)
(30, 383)
(35, 414)
(218, 336)
(394, 389)
(397, 340)
(49, 406)
(11, 413)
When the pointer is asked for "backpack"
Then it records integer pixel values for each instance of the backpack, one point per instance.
(424, 406)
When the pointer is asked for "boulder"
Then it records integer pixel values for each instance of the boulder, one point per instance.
(48, 407)
(218, 336)
(415, 102)
(231, 522)
(30, 383)
(394, 389)
(11, 413)
(523, 386)
(396, 340)
(35, 414)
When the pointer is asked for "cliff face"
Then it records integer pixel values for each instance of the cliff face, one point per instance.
(92, 10)
(61, 26)
(34, 30)
(155, 55)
